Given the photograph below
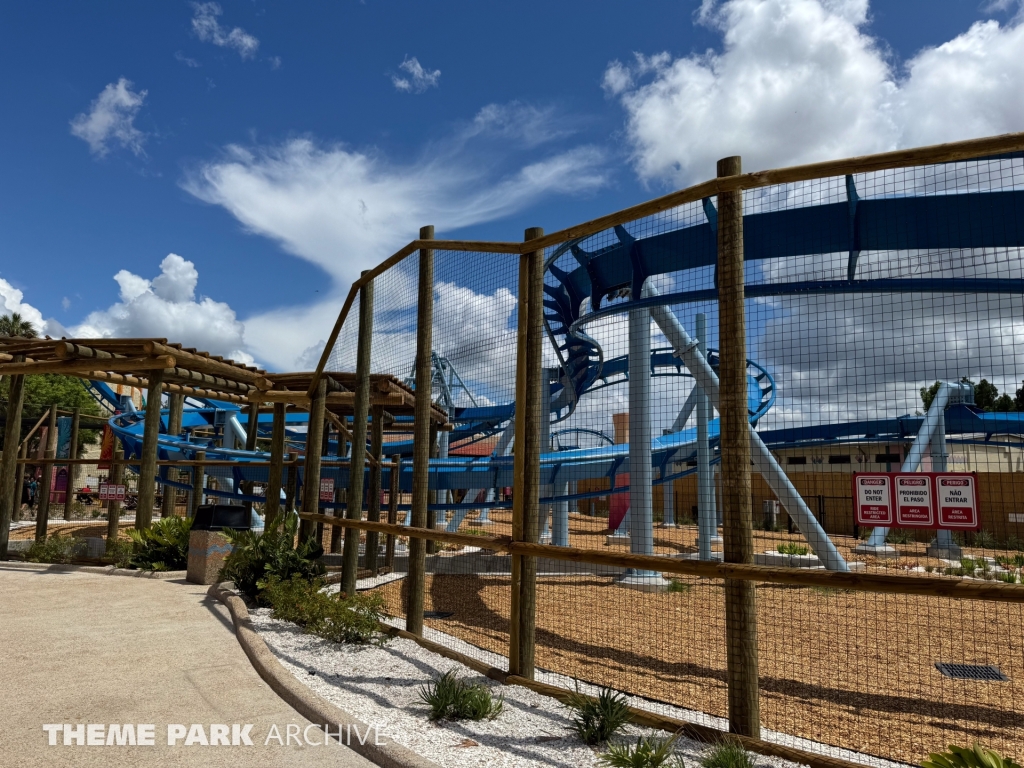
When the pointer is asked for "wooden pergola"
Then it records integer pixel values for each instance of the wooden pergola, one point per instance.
(159, 367)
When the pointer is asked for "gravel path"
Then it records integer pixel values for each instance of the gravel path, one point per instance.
(381, 686)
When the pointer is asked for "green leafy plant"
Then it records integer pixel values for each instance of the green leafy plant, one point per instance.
(728, 753)
(789, 548)
(163, 546)
(595, 720)
(899, 536)
(1013, 542)
(648, 752)
(121, 552)
(1008, 578)
(54, 549)
(1011, 561)
(984, 539)
(451, 697)
(681, 587)
(962, 757)
(353, 619)
(259, 555)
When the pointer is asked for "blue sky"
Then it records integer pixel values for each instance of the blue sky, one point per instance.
(231, 115)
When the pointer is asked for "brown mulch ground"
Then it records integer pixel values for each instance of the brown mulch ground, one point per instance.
(849, 669)
(76, 528)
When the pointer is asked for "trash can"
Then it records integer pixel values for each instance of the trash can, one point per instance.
(208, 547)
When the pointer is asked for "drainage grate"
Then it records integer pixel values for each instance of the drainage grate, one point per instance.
(437, 614)
(972, 672)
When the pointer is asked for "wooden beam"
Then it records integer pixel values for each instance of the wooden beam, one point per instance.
(143, 383)
(203, 364)
(78, 367)
(43, 511)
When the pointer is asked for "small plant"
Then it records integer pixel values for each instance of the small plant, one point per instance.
(162, 547)
(121, 552)
(354, 620)
(595, 720)
(1008, 578)
(475, 532)
(648, 752)
(451, 697)
(984, 539)
(929, 568)
(961, 757)
(899, 536)
(681, 587)
(789, 548)
(258, 555)
(1012, 542)
(1011, 561)
(829, 591)
(96, 513)
(54, 549)
(727, 753)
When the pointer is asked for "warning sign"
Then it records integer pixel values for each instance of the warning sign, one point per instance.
(111, 492)
(916, 500)
(872, 499)
(915, 506)
(326, 489)
(957, 500)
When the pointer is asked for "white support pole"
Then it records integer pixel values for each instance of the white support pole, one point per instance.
(501, 449)
(943, 546)
(764, 462)
(934, 421)
(686, 410)
(706, 518)
(641, 472)
(668, 497)
(546, 489)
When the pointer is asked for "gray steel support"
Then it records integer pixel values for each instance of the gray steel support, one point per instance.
(706, 517)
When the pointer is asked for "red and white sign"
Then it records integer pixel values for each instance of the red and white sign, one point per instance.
(326, 489)
(957, 496)
(111, 492)
(916, 500)
(872, 499)
(915, 505)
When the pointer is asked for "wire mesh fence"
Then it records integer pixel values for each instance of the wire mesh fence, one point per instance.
(583, 473)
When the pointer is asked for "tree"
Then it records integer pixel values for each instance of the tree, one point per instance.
(985, 395)
(928, 394)
(1004, 404)
(15, 325)
(1019, 400)
(44, 390)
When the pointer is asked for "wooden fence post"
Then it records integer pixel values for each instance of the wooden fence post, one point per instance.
(311, 461)
(198, 482)
(360, 413)
(394, 492)
(19, 482)
(147, 468)
(9, 462)
(43, 511)
(69, 494)
(272, 505)
(291, 488)
(526, 466)
(415, 581)
(373, 491)
(176, 407)
(737, 519)
(114, 506)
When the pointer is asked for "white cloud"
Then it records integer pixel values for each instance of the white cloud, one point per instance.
(418, 80)
(166, 307)
(526, 124)
(11, 301)
(111, 119)
(209, 30)
(187, 61)
(800, 81)
(346, 210)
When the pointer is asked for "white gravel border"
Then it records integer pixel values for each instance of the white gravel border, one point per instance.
(380, 685)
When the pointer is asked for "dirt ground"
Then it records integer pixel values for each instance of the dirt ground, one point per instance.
(855, 670)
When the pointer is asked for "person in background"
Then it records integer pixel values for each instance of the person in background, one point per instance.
(33, 488)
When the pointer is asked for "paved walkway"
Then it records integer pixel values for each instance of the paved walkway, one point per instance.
(83, 648)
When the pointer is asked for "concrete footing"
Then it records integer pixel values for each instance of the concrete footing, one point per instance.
(643, 581)
(876, 550)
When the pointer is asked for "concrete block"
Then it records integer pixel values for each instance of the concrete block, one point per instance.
(207, 551)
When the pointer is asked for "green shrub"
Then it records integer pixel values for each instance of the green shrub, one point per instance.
(453, 698)
(675, 585)
(121, 552)
(163, 546)
(54, 549)
(961, 757)
(728, 753)
(1011, 561)
(789, 548)
(648, 752)
(1009, 578)
(353, 619)
(595, 720)
(1012, 542)
(899, 536)
(984, 539)
(259, 555)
